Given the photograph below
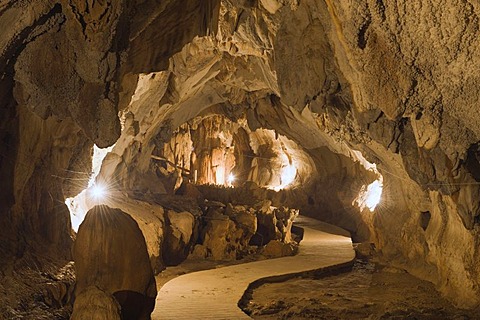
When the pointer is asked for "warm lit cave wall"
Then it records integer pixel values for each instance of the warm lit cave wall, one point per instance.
(211, 148)
(338, 77)
(63, 73)
(394, 80)
(215, 150)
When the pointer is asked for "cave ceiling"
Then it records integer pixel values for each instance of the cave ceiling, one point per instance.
(393, 84)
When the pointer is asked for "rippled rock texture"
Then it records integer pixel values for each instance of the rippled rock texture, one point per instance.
(395, 81)
(112, 266)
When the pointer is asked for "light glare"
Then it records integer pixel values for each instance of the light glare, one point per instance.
(370, 196)
(230, 179)
(80, 204)
(220, 176)
(289, 172)
(374, 194)
(98, 192)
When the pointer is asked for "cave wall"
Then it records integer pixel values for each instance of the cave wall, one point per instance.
(211, 148)
(426, 96)
(353, 77)
(65, 75)
(394, 80)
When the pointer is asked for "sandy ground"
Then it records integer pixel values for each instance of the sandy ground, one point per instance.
(368, 291)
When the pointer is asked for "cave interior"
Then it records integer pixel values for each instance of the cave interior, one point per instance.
(144, 133)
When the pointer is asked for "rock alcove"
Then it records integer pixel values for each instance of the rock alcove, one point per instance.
(263, 108)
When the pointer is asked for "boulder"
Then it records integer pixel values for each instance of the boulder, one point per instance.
(234, 231)
(95, 303)
(227, 238)
(273, 223)
(214, 204)
(230, 210)
(199, 252)
(285, 218)
(150, 220)
(178, 240)
(277, 249)
(248, 222)
(110, 253)
(264, 206)
(266, 230)
(219, 239)
(191, 191)
(364, 249)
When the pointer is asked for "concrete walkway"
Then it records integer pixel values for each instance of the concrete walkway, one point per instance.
(214, 294)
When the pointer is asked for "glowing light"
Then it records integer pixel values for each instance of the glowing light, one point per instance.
(289, 172)
(97, 160)
(374, 194)
(220, 176)
(93, 194)
(370, 196)
(97, 192)
(230, 179)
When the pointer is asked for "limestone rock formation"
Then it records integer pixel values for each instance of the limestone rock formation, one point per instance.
(151, 221)
(312, 89)
(180, 235)
(276, 249)
(221, 238)
(62, 83)
(110, 253)
(243, 217)
(233, 231)
(95, 303)
(274, 224)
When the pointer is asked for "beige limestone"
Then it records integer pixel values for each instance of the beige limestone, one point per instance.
(396, 80)
(110, 253)
(95, 303)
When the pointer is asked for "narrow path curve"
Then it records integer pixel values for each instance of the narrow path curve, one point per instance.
(214, 294)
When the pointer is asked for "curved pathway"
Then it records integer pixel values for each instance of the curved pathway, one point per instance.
(214, 294)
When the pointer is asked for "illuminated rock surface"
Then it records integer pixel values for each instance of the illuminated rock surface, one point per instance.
(215, 294)
(290, 96)
(109, 243)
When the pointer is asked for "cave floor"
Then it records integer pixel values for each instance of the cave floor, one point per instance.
(214, 294)
(368, 291)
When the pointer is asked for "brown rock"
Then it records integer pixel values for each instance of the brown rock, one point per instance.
(150, 220)
(277, 249)
(94, 303)
(395, 80)
(110, 253)
(248, 222)
(199, 252)
(178, 238)
(364, 249)
(266, 229)
(219, 239)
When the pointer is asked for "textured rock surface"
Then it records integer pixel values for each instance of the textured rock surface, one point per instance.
(230, 232)
(150, 220)
(213, 149)
(64, 74)
(110, 253)
(394, 80)
(180, 236)
(94, 303)
(276, 249)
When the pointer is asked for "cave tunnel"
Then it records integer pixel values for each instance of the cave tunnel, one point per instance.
(141, 140)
